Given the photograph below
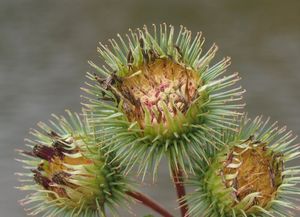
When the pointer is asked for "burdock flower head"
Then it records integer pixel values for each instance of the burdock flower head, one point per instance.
(160, 94)
(69, 175)
(249, 176)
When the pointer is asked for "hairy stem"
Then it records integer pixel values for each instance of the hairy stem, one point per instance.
(149, 203)
(178, 181)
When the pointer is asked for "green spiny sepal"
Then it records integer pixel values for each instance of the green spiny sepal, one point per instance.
(68, 171)
(249, 176)
(159, 94)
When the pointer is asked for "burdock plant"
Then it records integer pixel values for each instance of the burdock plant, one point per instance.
(68, 173)
(249, 176)
(160, 95)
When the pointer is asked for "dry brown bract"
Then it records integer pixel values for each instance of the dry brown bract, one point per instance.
(257, 173)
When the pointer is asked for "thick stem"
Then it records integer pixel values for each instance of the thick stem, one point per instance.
(178, 181)
(149, 203)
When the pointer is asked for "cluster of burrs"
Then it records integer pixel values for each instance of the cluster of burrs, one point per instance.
(160, 96)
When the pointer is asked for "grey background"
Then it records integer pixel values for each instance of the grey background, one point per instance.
(45, 45)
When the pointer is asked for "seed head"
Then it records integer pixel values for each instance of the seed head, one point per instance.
(249, 176)
(68, 172)
(159, 94)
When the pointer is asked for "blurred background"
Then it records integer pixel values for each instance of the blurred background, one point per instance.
(45, 45)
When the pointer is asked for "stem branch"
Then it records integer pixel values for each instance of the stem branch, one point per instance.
(178, 181)
(149, 203)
